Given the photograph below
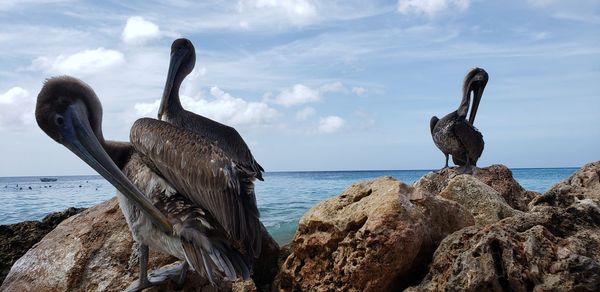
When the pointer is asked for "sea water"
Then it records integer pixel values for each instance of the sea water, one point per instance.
(282, 198)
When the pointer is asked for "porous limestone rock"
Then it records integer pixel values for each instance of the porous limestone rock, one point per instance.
(498, 177)
(378, 235)
(94, 251)
(16, 239)
(553, 247)
(485, 203)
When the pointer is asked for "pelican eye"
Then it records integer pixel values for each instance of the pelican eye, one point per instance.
(59, 120)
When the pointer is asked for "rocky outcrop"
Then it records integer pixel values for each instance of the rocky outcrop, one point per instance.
(17, 239)
(94, 251)
(498, 177)
(554, 247)
(485, 203)
(377, 235)
(581, 185)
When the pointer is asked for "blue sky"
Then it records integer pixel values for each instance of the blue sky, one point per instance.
(315, 85)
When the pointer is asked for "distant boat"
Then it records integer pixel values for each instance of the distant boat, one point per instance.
(48, 179)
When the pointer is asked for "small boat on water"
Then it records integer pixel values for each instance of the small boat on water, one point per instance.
(48, 179)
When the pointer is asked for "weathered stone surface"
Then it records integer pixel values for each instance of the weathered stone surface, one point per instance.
(554, 247)
(583, 184)
(94, 251)
(485, 203)
(17, 239)
(377, 235)
(499, 177)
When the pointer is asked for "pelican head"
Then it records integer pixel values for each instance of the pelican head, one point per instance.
(69, 112)
(474, 82)
(183, 59)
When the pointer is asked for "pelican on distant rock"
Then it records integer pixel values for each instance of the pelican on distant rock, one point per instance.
(454, 134)
(179, 192)
(183, 59)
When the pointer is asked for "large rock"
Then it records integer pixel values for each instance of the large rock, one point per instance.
(485, 203)
(377, 235)
(17, 239)
(583, 184)
(498, 177)
(94, 251)
(554, 247)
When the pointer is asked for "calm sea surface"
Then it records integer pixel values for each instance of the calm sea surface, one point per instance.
(282, 198)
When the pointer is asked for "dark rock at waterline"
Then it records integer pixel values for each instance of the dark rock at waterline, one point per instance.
(94, 251)
(16, 239)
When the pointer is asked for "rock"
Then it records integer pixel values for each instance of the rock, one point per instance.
(554, 247)
(94, 251)
(16, 239)
(485, 203)
(377, 235)
(581, 185)
(498, 177)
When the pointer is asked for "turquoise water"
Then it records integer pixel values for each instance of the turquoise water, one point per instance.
(282, 198)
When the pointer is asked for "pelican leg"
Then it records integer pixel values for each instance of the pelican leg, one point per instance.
(177, 274)
(445, 166)
(466, 169)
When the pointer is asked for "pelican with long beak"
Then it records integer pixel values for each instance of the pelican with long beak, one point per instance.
(179, 192)
(454, 134)
(182, 62)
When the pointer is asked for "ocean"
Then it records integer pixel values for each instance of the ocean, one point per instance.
(282, 198)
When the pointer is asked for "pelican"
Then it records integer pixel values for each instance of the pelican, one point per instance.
(456, 136)
(183, 59)
(179, 192)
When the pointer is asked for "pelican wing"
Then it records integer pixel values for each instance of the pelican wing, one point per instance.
(228, 139)
(471, 139)
(201, 171)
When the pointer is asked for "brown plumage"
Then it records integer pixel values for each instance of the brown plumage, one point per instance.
(179, 192)
(183, 59)
(454, 134)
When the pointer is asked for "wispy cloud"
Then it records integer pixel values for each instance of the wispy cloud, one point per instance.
(305, 113)
(431, 8)
(575, 10)
(330, 124)
(298, 94)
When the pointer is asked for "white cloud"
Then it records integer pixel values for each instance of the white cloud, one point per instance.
(222, 107)
(84, 62)
(298, 94)
(297, 12)
(332, 87)
(359, 90)
(16, 108)
(305, 113)
(330, 124)
(431, 8)
(138, 30)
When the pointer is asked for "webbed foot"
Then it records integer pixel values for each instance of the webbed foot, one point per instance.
(161, 276)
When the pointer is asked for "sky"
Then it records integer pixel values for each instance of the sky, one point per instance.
(315, 84)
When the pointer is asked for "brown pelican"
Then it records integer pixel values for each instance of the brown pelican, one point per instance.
(179, 192)
(183, 59)
(456, 136)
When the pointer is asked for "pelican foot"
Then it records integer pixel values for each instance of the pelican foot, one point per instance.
(441, 169)
(466, 169)
(162, 276)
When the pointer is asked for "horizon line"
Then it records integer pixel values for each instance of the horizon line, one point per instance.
(296, 171)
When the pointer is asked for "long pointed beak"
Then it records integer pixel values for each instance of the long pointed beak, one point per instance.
(175, 63)
(477, 93)
(81, 140)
